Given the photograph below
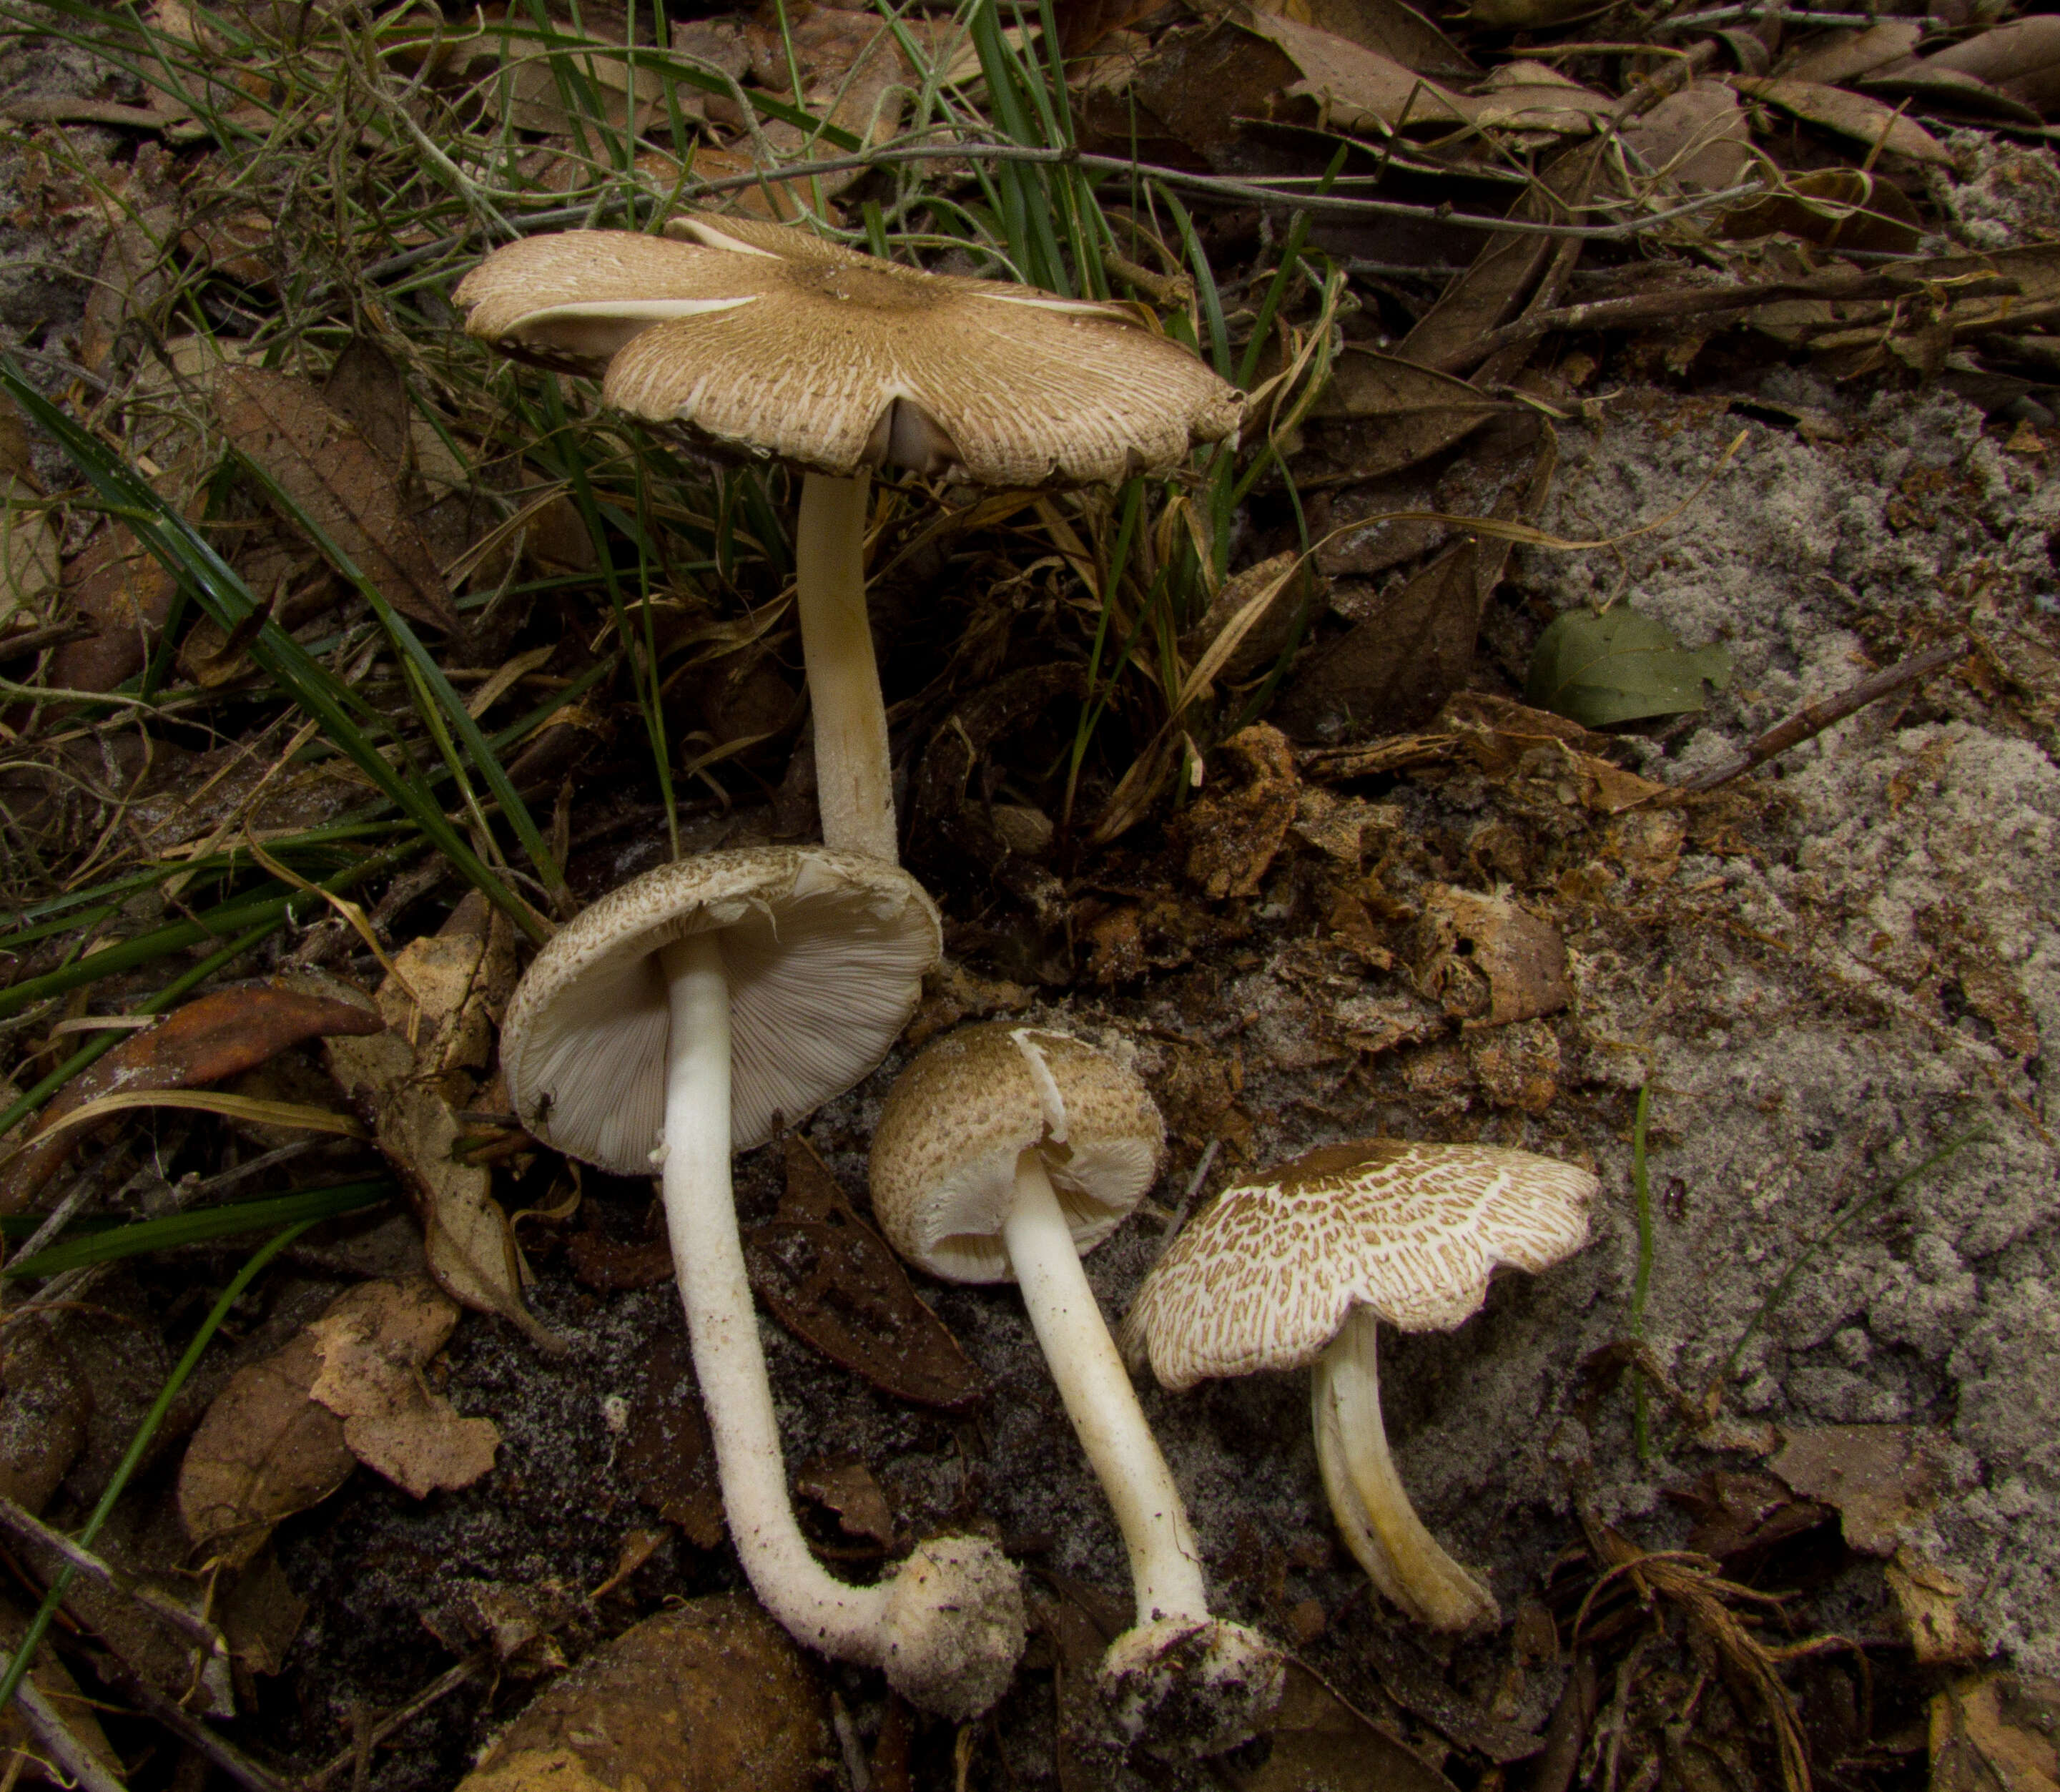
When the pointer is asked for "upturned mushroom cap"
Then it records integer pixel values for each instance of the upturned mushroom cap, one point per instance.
(760, 339)
(943, 1160)
(825, 953)
(1264, 1278)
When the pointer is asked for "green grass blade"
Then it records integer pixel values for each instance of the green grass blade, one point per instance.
(187, 555)
(307, 1205)
(424, 662)
(132, 1458)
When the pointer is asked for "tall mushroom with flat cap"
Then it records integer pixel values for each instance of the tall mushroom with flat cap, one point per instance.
(682, 1016)
(1009, 1152)
(1300, 1265)
(761, 340)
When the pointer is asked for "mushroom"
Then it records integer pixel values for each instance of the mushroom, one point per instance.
(1006, 1152)
(1300, 1265)
(686, 1015)
(760, 339)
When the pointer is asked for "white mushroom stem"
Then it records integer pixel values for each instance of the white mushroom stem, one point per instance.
(1381, 1527)
(854, 777)
(1165, 1566)
(849, 1623)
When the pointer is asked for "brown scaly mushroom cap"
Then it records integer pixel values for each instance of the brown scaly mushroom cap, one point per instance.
(1265, 1277)
(1300, 1265)
(763, 339)
(945, 1152)
(825, 953)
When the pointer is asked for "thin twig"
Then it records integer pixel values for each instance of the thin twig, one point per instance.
(187, 1728)
(72, 1758)
(1813, 718)
(31, 1529)
(1841, 285)
(1277, 194)
(440, 1687)
(1787, 15)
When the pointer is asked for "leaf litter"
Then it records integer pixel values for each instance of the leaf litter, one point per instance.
(1247, 786)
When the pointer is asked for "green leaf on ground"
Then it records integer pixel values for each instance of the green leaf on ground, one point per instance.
(1620, 666)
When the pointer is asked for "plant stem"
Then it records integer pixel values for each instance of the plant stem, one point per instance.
(1641, 1188)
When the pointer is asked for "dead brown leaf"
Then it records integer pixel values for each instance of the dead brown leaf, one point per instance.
(1840, 208)
(2020, 57)
(845, 1485)
(264, 1451)
(43, 1415)
(122, 589)
(710, 1697)
(1230, 836)
(1320, 1740)
(445, 999)
(1847, 114)
(1834, 58)
(1489, 961)
(1267, 635)
(664, 1454)
(1697, 139)
(372, 1344)
(1995, 1732)
(1202, 81)
(1381, 414)
(1389, 28)
(831, 1280)
(260, 1616)
(207, 1040)
(1928, 1599)
(369, 390)
(1882, 1478)
(283, 427)
(1396, 669)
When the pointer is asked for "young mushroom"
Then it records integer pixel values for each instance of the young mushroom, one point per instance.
(686, 1015)
(762, 341)
(1299, 1267)
(1006, 1152)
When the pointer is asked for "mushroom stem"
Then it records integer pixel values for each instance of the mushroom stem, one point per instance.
(1380, 1526)
(849, 1623)
(1165, 1566)
(854, 777)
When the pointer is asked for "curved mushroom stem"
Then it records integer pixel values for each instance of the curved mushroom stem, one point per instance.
(1380, 1526)
(846, 1622)
(1165, 1566)
(854, 777)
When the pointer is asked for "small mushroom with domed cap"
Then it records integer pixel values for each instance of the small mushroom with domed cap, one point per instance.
(763, 340)
(682, 1016)
(1298, 1266)
(1009, 1152)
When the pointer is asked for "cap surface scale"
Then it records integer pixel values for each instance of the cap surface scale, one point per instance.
(943, 1169)
(762, 340)
(1265, 1277)
(825, 953)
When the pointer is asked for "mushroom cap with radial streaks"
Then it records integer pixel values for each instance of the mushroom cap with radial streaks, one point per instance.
(943, 1169)
(762, 340)
(825, 953)
(1264, 1278)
